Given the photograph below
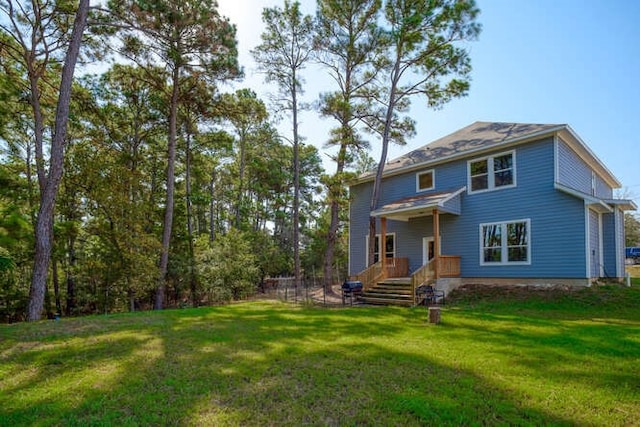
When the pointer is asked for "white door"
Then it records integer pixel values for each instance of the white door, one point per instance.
(428, 249)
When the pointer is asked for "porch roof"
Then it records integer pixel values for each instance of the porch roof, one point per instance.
(423, 205)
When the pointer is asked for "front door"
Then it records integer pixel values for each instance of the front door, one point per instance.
(428, 249)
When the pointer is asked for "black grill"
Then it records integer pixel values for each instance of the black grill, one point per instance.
(351, 289)
(352, 285)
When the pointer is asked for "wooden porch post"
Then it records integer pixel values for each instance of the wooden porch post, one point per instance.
(382, 248)
(436, 243)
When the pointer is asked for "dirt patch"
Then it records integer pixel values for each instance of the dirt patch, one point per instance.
(615, 295)
(329, 298)
(471, 292)
(314, 295)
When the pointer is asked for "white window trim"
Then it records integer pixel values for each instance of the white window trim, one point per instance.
(433, 180)
(366, 240)
(490, 173)
(504, 246)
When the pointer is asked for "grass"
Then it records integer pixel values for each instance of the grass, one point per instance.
(496, 359)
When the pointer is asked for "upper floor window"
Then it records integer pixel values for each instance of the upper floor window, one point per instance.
(425, 181)
(492, 172)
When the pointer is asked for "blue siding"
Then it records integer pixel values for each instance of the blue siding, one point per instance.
(576, 174)
(603, 190)
(573, 171)
(448, 177)
(620, 243)
(454, 205)
(594, 243)
(609, 233)
(411, 236)
(360, 196)
(613, 247)
(557, 221)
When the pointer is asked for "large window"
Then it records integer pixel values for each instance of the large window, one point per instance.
(492, 172)
(505, 243)
(390, 247)
(425, 181)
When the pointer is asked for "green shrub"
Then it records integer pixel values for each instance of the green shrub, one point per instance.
(227, 268)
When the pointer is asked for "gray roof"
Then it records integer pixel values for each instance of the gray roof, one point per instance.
(475, 137)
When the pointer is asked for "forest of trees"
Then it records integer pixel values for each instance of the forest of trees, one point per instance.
(149, 186)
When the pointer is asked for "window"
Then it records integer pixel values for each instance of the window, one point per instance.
(492, 172)
(505, 243)
(390, 247)
(425, 181)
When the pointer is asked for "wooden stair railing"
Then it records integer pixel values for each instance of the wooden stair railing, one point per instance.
(449, 266)
(394, 267)
(371, 275)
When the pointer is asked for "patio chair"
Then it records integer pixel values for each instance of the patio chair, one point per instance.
(430, 295)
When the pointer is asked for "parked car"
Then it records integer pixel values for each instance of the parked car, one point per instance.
(633, 255)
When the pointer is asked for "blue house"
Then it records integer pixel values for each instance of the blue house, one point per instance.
(492, 203)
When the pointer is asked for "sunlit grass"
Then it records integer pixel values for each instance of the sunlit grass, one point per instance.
(551, 359)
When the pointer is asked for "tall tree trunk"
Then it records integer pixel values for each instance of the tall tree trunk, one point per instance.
(334, 193)
(377, 184)
(131, 296)
(44, 222)
(193, 285)
(296, 188)
(168, 213)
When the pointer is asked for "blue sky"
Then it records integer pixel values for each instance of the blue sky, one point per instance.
(536, 61)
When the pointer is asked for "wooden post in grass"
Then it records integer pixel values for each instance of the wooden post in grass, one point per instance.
(434, 315)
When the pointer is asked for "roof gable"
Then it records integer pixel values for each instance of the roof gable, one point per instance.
(483, 136)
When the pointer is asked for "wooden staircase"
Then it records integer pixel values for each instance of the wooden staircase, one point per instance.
(390, 291)
(387, 284)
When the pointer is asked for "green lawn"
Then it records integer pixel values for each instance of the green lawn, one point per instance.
(494, 360)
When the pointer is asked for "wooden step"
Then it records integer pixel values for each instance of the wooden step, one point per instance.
(377, 293)
(397, 281)
(393, 285)
(386, 301)
(385, 287)
(391, 291)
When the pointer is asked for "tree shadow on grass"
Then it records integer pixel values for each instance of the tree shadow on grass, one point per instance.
(255, 364)
(584, 352)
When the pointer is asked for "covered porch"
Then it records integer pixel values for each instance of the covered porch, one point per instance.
(437, 265)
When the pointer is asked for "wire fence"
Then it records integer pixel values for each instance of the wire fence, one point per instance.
(309, 291)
